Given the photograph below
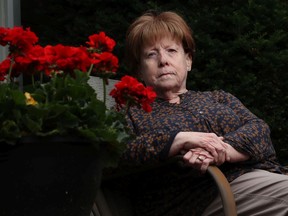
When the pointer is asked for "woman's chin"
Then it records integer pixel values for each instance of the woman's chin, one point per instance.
(167, 86)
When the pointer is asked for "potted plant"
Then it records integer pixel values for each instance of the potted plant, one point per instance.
(56, 136)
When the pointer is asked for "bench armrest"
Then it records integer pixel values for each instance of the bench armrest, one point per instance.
(225, 191)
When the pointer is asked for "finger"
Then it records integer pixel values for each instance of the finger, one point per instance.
(201, 157)
(227, 156)
(204, 165)
(187, 156)
(219, 144)
(221, 158)
(216, 141)
(224, 145)
(195, 159)
(190, 158)
(214, 153)
(211, 149)
(206, 154)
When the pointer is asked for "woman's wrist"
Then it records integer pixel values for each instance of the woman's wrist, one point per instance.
(235, 156)
(178, 144)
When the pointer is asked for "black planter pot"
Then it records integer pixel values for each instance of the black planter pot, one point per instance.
(49, 177)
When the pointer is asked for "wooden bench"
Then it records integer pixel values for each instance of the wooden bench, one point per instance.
(103, 207)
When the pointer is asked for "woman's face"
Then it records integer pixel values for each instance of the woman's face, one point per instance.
(164, 66)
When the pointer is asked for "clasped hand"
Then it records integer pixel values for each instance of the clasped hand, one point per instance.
(202, 149)
(199, 159)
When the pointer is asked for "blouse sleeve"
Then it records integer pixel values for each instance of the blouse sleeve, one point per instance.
(253, 137)
(147, 146)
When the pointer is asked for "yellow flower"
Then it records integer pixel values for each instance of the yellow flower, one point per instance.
(29, 99)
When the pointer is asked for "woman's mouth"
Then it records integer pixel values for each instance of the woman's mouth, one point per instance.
(166, 74)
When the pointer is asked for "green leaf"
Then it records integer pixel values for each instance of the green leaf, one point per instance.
(33, 125)
(9, 132)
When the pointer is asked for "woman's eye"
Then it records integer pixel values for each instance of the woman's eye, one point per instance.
(171, 50)
(151, 54)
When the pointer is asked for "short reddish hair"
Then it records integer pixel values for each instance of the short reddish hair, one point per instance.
(152, 26)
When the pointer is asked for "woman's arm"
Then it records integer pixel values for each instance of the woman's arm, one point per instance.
(149, 145)
(252, 138)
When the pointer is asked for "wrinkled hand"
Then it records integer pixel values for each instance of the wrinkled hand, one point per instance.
(198, 159)
(209, 142)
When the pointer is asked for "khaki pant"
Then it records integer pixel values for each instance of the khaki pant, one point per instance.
(256, 193)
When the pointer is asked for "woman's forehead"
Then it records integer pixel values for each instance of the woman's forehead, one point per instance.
(162, 42)
(160, 39)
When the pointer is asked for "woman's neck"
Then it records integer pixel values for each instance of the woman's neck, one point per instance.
(171, 97)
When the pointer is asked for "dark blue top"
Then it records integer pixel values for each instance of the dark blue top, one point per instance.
(212, 111)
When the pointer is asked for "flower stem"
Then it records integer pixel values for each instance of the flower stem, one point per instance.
(41, 77)
(33, 80)
(104, 90)
(9, 78)
(90, 69)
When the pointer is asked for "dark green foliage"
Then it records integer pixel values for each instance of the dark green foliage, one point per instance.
(65, 105)
(241, 45)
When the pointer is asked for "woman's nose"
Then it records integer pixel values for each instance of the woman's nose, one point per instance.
(163, 58)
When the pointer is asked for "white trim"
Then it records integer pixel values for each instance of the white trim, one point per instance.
(10, 11)
(10, 16)
(97, 84)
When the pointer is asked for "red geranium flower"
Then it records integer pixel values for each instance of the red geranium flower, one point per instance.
(4, 68)
(104, 62)
(129, 91)
(28, 58)
(67, 58)
(101, 42)
(18, 38)
(3, 33)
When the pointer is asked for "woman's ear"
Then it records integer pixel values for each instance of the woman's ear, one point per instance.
(189, 62)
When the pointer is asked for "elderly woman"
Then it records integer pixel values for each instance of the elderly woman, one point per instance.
(211, 127)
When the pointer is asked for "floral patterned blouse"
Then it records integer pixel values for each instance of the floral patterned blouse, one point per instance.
(175, 190)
